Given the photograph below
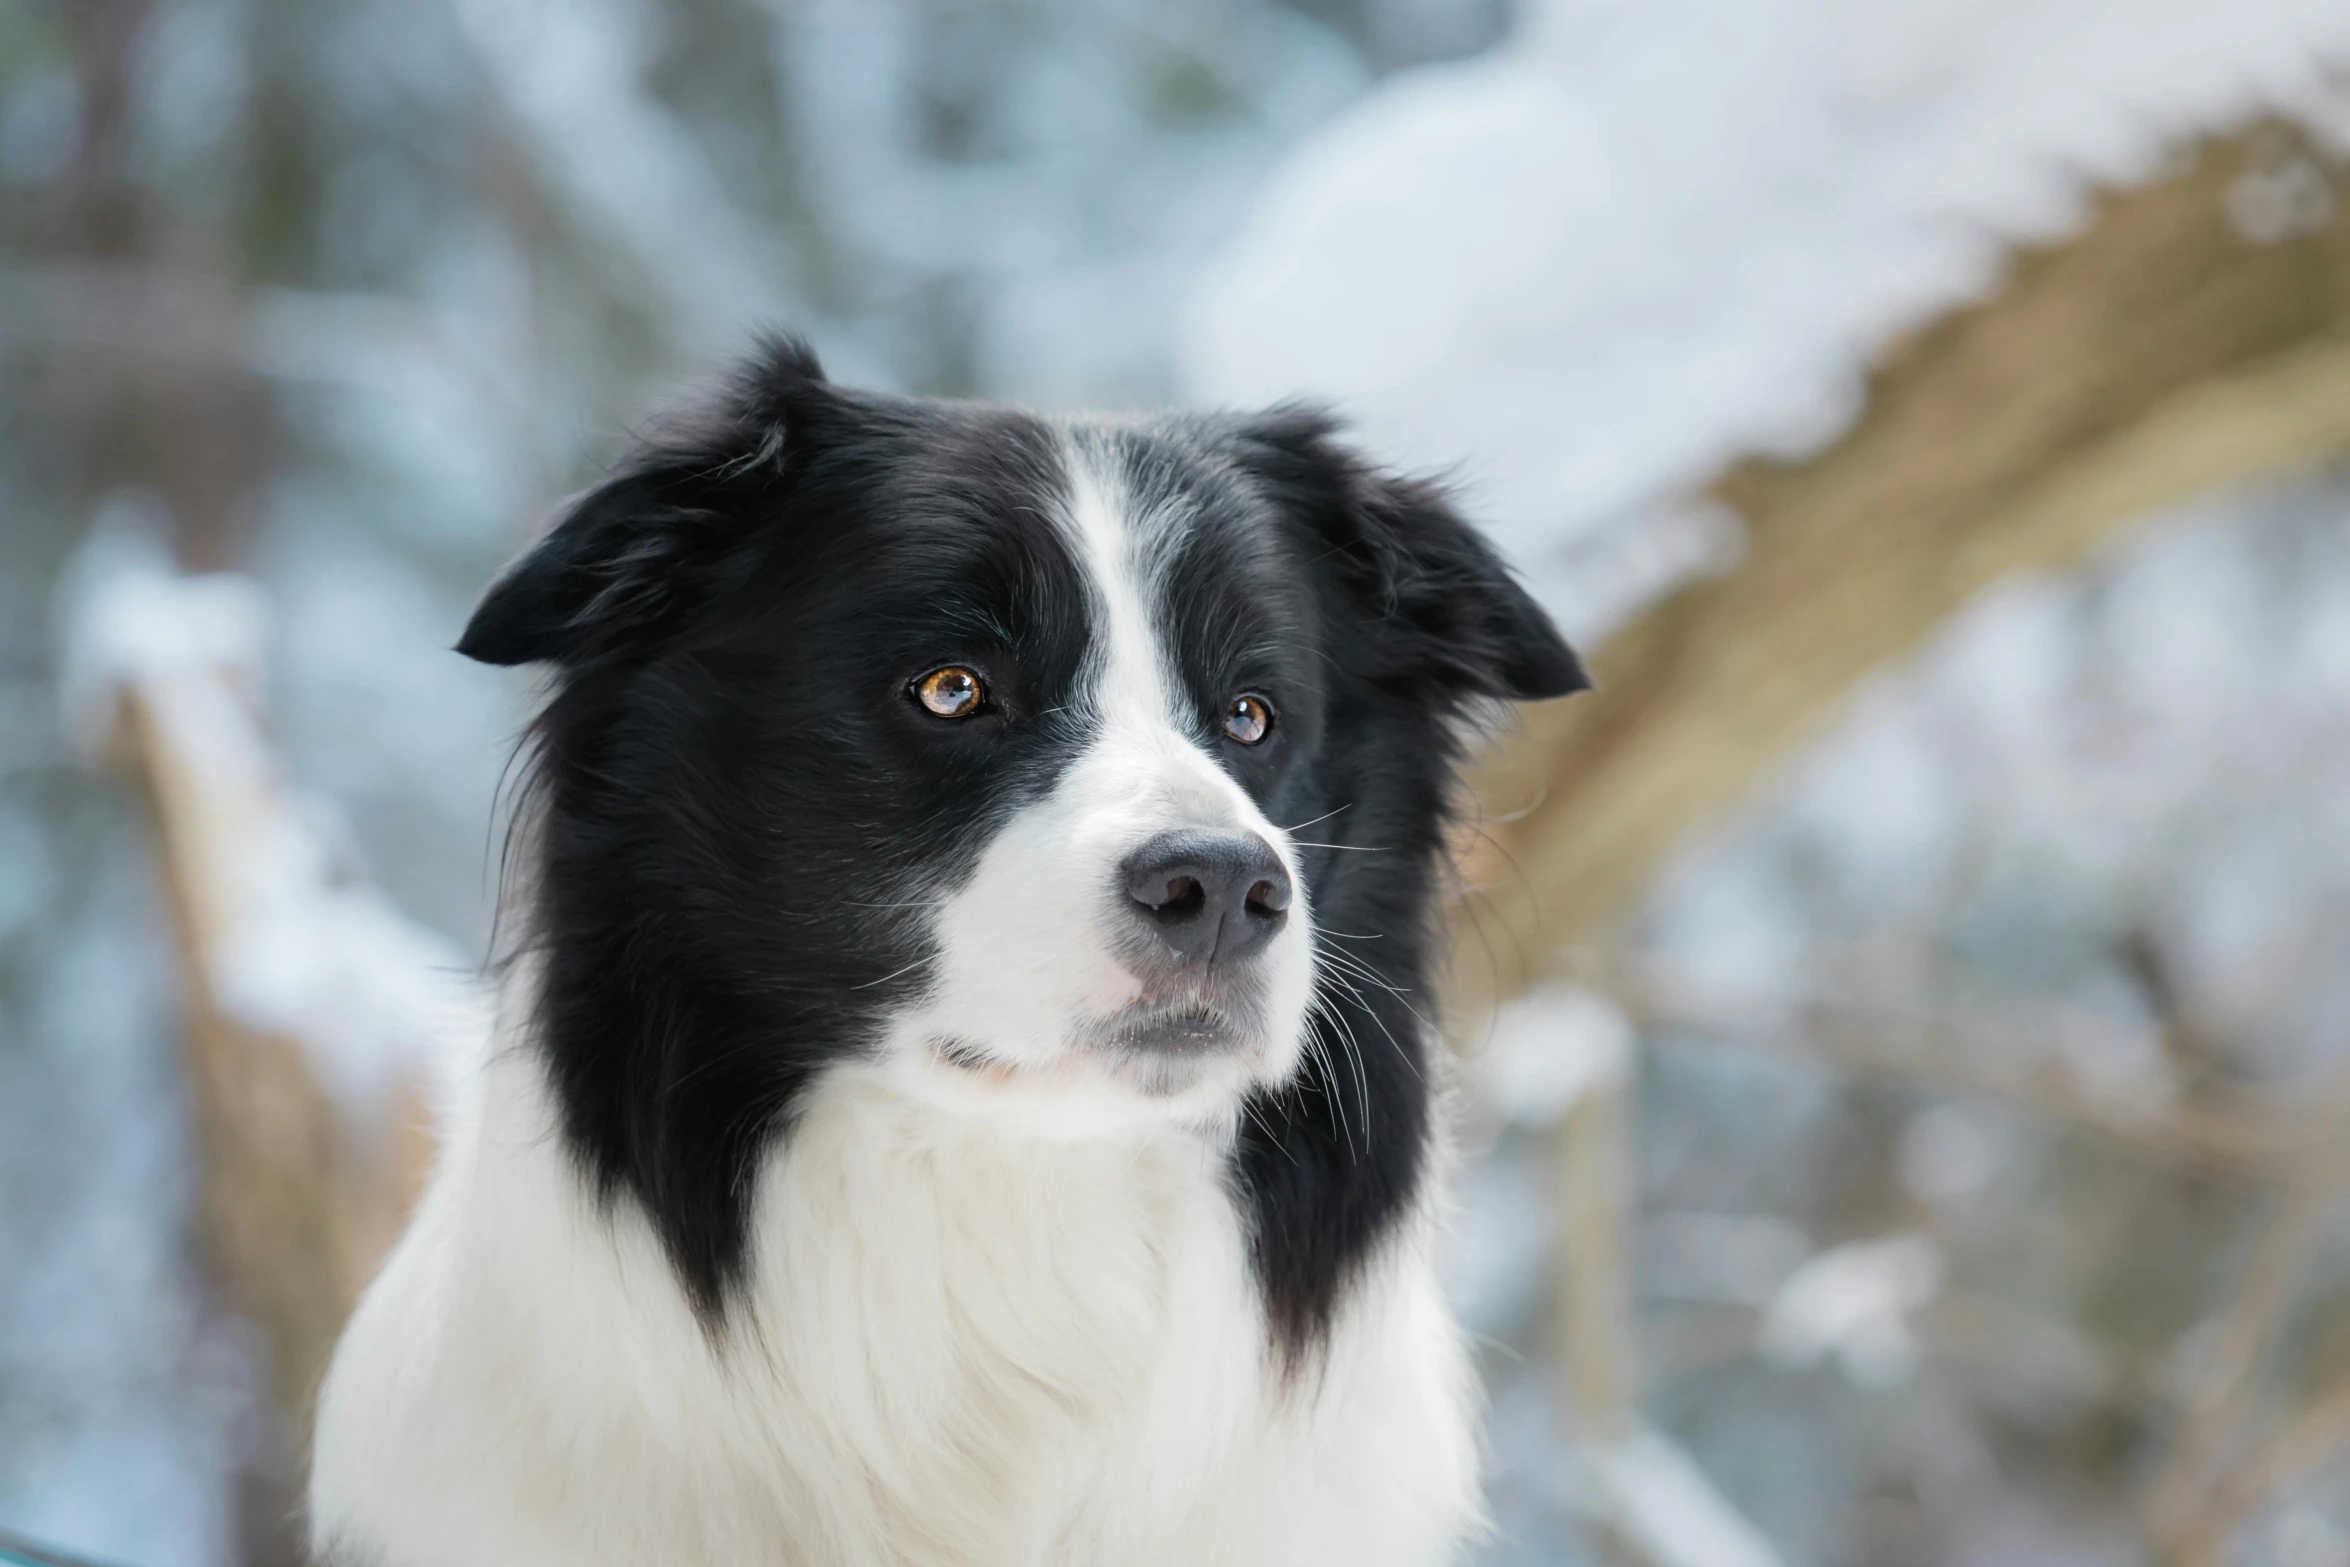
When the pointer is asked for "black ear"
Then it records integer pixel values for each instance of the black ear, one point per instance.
(1447, 610)
(664, 532)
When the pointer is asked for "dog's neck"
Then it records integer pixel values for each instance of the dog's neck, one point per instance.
(1052, 1264)
(935, 1306)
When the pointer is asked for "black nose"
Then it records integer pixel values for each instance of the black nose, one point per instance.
(1210, 897)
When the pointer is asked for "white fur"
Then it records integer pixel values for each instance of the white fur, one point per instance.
(1002, 1317)
(965, 1345)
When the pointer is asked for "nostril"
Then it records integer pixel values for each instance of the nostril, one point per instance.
(1169, 893)
(1269, 897)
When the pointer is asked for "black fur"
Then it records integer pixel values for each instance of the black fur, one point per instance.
(736, 803)
(1419, 618)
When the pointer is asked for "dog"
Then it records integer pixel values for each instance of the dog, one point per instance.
(966, 1093)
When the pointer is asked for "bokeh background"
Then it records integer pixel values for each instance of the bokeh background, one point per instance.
(1903, 1020)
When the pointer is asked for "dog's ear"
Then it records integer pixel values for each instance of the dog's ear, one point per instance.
(1447, 612)
(665, 532)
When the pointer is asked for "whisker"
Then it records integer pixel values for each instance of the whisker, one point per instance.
(1317, 821)
(1339, 1036)
(1403, 1001)
(892, 974)
(1401, 1054)
(1340, 978)
(1354, 1055)
(1348, 963)
(1248, 1108)
(1403, 998)
(1318, 1050)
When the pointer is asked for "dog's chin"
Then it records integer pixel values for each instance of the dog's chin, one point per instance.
(1153, 1063)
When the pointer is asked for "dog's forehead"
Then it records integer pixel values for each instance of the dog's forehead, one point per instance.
(957, 481)
(1188, 521)
(1092, 566)
(1004, 507)
(944, 512)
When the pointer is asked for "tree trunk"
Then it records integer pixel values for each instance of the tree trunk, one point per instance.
(2195, 334)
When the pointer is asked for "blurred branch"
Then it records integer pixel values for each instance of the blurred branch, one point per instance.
(274, 1207)
(2194, 1499)
(1591, 1161)
(1591, 1288)
(1649, 1505)
(299, 1196)
(99, 211)
(2203, 1489)
(2319, 1431)
(1946, 1049)
(2159, 354)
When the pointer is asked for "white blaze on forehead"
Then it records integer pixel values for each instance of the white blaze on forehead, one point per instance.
(1150, 763)
(1129, 676)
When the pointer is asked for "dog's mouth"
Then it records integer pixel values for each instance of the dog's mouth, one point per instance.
(1168, 1049)
(1160, 1048)
(1190, 1028)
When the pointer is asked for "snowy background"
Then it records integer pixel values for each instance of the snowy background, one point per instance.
(340, 293)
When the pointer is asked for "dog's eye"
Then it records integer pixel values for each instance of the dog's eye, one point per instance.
(952, 692)
(1249, 719)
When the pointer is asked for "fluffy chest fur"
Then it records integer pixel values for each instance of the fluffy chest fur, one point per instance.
(968, 1097)
(956, 1348)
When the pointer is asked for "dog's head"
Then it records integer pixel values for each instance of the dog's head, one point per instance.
(1079, 773)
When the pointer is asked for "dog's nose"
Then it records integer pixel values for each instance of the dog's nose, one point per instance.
(1211, 897)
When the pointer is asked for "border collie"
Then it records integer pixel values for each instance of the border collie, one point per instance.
(967, 1094)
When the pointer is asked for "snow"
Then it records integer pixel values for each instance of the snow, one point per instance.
(300, 944)
(1852, 1303)
(1741, 1258)
(1951, 1152)
(1551, 1048)
(1644, 239)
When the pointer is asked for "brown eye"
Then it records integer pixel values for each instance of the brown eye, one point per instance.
(952, 692)
(1249, 719)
